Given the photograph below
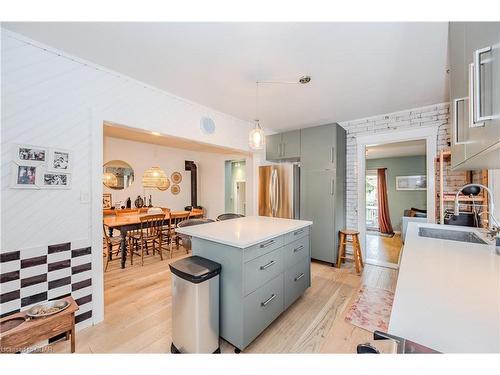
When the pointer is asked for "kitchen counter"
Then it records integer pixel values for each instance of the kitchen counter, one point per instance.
(448, 293)
(244, 232)
(266, 267)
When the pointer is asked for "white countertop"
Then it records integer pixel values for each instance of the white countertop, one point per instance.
(448, 294)
(244, 232)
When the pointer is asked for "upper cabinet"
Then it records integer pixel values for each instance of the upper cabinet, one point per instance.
(283, 146)
(318, 149)
(474, 50)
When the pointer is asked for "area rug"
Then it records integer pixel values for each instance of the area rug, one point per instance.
(372, 309)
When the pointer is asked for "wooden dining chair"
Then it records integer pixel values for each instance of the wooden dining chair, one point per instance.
(149, 233)
(109, 246)
(175, 219)
(196, 213)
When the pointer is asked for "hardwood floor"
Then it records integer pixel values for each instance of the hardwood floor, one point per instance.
(383, 249)
(138, 313)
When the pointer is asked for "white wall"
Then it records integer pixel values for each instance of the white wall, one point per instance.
(436, 116)
(142, 156)
(50, 98)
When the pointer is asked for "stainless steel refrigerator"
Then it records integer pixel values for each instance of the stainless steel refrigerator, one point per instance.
(279, 190)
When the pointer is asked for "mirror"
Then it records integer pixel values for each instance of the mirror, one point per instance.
(117, 175)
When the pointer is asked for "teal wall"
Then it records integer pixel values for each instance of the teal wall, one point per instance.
(400, 200)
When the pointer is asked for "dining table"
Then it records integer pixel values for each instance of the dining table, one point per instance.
(126, 223)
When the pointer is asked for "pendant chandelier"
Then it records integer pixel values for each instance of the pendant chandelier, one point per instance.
(154, 177)
(109, 179)
(257, 137)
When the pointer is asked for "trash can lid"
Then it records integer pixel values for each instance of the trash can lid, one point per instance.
(195, 269)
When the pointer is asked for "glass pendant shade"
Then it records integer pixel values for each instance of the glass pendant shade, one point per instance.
(257, 138)
(154, 177)
(109, 179)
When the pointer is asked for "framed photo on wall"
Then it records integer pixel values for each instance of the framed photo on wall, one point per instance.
(55, 180)
(107, 202)
(25, 176)
(29, 154)
(59, 160)
(411, 182)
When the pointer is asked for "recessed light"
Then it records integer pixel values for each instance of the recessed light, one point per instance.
(155, 133)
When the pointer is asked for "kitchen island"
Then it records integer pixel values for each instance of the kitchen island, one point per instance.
(266, 266)
(448, 293)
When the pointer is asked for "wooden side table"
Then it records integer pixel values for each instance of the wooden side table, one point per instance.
(36, 330)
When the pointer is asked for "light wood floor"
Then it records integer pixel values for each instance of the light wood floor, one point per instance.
(138, 313)
(383, 249)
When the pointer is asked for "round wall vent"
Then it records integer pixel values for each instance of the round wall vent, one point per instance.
(207, 125)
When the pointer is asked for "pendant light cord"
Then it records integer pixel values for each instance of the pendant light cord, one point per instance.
(257, 104)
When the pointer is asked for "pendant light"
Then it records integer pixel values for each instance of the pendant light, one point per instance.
(257, 138)
(109, 179)
(154, 177)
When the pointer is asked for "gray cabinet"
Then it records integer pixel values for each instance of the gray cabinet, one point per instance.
(322, 187)
(258, 283)
(283, 146)
(479, 63)
(458, 92)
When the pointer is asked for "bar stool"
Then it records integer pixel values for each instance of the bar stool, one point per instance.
(343, 240)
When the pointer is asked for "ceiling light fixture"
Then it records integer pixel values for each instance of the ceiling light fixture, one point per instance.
(257, 137)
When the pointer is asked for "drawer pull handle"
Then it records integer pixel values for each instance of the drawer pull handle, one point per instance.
(299, 277)
(267, 265)
(267, 301)
(298, 248)
(269, 243)
(297, 232)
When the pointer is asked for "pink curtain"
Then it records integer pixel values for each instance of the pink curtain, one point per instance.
(384, 219)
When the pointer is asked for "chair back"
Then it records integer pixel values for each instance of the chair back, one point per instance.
(228, 216)
(190, 222)
(106, 234)
(155, 211)
(177, 217)
(151, 224)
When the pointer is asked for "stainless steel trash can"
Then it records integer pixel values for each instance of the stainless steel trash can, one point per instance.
(195, 305)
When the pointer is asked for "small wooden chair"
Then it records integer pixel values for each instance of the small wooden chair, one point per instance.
(343, 240)
(109, 244)
(149, 233)
(175, 219)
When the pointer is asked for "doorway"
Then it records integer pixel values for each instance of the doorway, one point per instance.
(402, 162)
(235, 187)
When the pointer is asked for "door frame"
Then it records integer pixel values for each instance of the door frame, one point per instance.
(429, 134)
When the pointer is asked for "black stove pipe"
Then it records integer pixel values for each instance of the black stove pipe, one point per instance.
(191, 166)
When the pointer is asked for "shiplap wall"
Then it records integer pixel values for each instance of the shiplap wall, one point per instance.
(52, 99)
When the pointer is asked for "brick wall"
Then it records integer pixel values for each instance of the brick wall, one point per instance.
(437, 115)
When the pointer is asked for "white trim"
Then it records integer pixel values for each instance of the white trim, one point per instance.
(430, 135)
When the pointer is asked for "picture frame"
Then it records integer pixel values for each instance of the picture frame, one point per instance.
(25, 176)
(55, 180)
(411, 182)
(30, 155)
(59, 160)
(107, 201)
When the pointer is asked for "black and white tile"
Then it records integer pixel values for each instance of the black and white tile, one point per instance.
(36, 275)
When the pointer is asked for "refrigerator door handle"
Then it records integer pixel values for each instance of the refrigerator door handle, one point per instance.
(277, 194)
(271, 191)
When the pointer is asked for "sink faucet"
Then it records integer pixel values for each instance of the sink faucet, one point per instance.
(493, 226)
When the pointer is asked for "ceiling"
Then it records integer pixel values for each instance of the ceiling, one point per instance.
(396, 149)
(133, 134)
(357, 69)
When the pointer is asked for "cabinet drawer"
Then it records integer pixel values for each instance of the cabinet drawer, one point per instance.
(262, 248)
(295, 235)
(260, 270)
(297, 280)
(261, 308)
(296, 251)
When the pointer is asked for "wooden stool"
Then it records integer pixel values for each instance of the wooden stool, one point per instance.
(343, 240)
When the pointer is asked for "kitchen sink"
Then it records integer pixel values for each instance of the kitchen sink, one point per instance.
(451, 235)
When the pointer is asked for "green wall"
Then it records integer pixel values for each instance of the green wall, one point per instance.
(399, 200)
